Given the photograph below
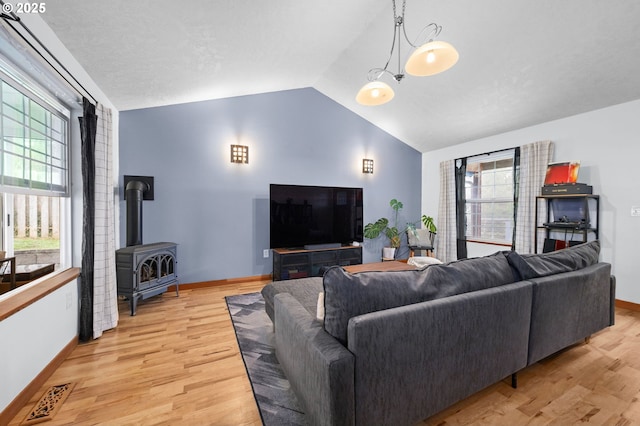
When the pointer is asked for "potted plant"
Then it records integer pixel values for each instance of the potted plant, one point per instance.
(381, 226)
(429, 224)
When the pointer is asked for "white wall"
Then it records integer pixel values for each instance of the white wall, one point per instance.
(606, 143)
(34, 336)
(479, 249)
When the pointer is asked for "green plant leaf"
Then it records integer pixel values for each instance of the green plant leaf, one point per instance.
(394, 236)
(373, 230)
(429, 223)
(395, 205)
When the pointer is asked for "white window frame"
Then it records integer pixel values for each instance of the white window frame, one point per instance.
(30, 88)
(54, 109)
(486, 197)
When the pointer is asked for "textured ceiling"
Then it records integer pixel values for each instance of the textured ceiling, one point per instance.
(522, 62)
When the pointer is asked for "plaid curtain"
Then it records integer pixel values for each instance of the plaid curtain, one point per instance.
(105, 291)
(534, 158)
(446, 246)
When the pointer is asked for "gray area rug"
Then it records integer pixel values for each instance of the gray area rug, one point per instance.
(254, 331)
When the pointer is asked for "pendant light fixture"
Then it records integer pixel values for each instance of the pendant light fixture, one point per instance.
(375, 93)
(430, 58)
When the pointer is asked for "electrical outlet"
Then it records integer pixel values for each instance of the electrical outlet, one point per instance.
(635, 211)
(265, 253)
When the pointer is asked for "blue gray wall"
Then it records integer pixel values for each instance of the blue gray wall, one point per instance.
(218, 212)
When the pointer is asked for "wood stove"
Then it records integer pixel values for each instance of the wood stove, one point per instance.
(143, 270)
(146, 270)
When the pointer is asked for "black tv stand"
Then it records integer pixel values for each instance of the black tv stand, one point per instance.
(301, 263)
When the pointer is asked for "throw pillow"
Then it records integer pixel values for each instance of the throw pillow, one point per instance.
(347, 295)
(566, 260)
(423, 261)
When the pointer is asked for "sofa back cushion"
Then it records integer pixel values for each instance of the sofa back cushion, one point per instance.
(347, 295)
(577, 257)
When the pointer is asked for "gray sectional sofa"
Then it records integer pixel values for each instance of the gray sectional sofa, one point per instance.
(397, 347)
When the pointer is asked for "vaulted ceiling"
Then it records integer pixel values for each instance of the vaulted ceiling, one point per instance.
(522, 62)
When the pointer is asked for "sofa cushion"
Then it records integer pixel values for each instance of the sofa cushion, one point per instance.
(304, 289)
(348, 295)
(569, 307)
(573, 258)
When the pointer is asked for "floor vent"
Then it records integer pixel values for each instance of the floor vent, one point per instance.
(49, 404)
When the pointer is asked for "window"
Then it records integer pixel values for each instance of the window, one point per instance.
(34, 172)
(34, 143)
(35, 227)
(489, 197)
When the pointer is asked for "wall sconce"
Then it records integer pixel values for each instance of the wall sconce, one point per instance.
(240, 154)
(367, 165)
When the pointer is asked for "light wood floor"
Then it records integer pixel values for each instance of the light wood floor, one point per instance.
(177, 363)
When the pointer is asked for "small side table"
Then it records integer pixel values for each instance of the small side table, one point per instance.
(22, 274)
(28, 273)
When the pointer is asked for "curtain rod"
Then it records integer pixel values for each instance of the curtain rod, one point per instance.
(13, 17)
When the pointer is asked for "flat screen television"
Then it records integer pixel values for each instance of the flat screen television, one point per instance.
(311, 216)
(569, 210)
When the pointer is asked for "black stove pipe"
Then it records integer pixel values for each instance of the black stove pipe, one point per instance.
(133, 194)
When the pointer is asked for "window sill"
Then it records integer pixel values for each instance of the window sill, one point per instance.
(36, 290)
(492, 243)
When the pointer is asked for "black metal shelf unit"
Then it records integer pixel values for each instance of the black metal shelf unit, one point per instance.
(551, 226)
